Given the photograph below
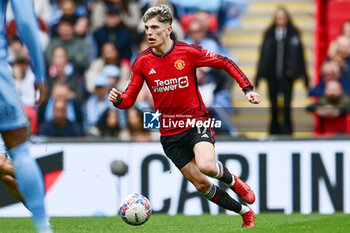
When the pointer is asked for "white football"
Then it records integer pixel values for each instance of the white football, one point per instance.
(135, 209)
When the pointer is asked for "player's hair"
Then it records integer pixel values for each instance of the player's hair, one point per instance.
(161, 12)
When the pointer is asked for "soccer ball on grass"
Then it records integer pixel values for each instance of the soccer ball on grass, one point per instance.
(135, 209)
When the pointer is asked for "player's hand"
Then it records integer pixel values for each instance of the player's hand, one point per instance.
(114, 96)
(41, 87)
(253, 97)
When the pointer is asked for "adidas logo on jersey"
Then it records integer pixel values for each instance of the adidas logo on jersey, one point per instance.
(152, 71)
(205, 136)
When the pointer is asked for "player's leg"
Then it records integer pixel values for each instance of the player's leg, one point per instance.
(28, 176)
(7, 176)
(206, 161)
(11, 185)
(6, 167)
(215, 194)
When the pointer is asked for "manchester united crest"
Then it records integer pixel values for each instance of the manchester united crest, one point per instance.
(179, 64)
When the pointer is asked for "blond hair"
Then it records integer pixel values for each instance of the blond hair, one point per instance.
(161, 12)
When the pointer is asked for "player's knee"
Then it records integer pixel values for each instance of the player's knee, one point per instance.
(6, 178)
(202, 186)
(209, 168)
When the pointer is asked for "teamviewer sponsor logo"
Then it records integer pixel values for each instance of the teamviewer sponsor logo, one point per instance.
(170, 84)
(183, 82)
(151, 120)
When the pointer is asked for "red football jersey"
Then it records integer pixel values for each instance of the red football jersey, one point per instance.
(171, 78)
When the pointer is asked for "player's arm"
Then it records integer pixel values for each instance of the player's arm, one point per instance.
(207, 58)
(128, 97)
(28, 29)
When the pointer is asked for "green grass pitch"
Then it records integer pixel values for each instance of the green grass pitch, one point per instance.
(159, 223)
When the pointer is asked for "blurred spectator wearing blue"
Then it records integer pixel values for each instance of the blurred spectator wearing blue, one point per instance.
(60, 126)
(109, 57)
(61, 70)
(191, 6)
(112, 73)
(77, 49)
(339, 51)
(116, 32)
(65, 8)
(130, 12)
(230, 12)
(330, 70)
(82, 31)
(98, 103)
(60, 91)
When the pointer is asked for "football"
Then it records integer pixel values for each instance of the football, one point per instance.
(135, 209)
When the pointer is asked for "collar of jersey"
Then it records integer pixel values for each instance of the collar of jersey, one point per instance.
(163, 55)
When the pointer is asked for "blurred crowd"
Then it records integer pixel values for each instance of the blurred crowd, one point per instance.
(332, 93)
(89, 48)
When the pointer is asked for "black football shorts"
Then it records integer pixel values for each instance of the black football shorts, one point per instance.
(179, 147)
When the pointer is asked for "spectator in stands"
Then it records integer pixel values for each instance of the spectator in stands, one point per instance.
(331, 110)
(135, 131)
(230, 12)
(333, 103)
(345, 31)
(82, 31)
(67, 9)
(197, 34)
(109, 56)
(281, 63)
(206, 19)
(60, 126)
(24, 82)
(60, 91)
(112, 73)
(97, 103)
(107, 125)
(15, 47)
(24, 79)
(77, 49)
(339, 51)
(116, 32)
(130, 12)
(61, 70)
(330, 70)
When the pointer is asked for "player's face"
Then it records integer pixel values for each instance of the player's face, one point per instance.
(157, 33)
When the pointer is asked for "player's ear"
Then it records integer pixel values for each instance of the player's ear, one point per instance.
(170, 29)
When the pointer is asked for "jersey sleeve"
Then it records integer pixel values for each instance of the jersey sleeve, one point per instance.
(28, 31)
(204, 57)
(132, 90)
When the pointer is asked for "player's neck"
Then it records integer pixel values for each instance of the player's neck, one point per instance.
(164, 48)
